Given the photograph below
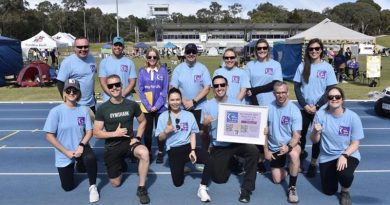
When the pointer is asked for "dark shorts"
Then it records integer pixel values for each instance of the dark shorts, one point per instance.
(279, 161)
(114, 157)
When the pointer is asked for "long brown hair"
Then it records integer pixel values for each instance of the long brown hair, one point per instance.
(262, 40)
(308, 60)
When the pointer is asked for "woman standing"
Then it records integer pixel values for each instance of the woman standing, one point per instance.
(178, 127)
(311, 81)
(340, 130)
(152, 90)
(69, 128)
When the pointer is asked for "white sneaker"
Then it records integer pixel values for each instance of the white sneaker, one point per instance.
(93, 194)
(202, 193)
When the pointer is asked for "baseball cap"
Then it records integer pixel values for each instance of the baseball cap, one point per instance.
(118, 39)
(72, 83)
(191, 48)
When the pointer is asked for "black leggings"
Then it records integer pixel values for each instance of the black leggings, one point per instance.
(151, 120)
(330, 177)
(306, 120)
(67, 173)
(179, 156)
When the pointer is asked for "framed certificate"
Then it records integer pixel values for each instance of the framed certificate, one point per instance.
(242, 123)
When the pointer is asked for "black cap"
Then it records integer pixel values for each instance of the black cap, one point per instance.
(191, 48)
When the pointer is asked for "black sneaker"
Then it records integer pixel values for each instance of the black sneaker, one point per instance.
(311, 171)
(143, 195)
(261, 168)
(345, 198)
(245, 196)
(160, 158)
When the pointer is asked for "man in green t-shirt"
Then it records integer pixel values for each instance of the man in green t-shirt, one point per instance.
(114, 123)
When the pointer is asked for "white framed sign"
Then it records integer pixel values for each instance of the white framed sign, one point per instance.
(242, 123)
(373, 66)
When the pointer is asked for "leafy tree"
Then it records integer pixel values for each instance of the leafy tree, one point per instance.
(204, 16)
(385, 21)
(268, 13)
(44, 7)
(370, 2)
(74, 4)
(294, 17)
(177, 17)
(235, 9)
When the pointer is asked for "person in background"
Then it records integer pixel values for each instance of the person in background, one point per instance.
(339, 64)
(118, 64)
(282, 139)
(114, 123)
(193, 80)
(311, 81)
(82, 67)
(68, 128)
(263, 73)
(339, 130)
(348, 54)
(353, 65)
(152, 86)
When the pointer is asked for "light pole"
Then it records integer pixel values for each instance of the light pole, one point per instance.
(117, 19)
(85, 27)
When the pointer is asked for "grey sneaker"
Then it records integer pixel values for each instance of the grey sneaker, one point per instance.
(143, 195)
(202, 194)
(293, 195)
(345, 198)
(93, 194)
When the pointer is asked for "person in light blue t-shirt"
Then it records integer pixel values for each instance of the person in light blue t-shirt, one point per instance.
(193, 80)
(311, 81)
(237, 77)
(339, 130)
(284, 131)
(263, 73)
(68, 128)
(178, 128)
(120, 65)
(82, 67)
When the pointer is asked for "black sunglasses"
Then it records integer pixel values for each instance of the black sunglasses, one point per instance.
(177, 121)
(151, 57)
(81, 47)
(111, 86)
(314, 48)
(262, 48)
(191, 52)
(71, 90)
(331, 97)
(222, 85)
(229, 57)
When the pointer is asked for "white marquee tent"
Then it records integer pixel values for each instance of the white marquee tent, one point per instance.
(64, 38)
(41, 41)
(331, 33)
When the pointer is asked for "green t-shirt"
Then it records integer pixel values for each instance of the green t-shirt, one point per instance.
(113, 114)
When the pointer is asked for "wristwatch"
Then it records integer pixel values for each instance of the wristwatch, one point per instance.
(82, 144)
(194, 102)
(138, 138)
(345, 155)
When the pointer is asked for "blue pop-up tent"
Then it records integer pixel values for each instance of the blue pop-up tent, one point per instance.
(11, 61)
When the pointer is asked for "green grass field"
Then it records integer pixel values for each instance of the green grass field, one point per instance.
(353, 90)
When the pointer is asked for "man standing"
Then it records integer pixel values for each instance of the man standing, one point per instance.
(284, 133)
(120, 65)
(221, 153)
(114, 123)
(82, 67)
(193, 80)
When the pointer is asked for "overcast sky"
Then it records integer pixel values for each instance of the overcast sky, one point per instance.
(140, 8)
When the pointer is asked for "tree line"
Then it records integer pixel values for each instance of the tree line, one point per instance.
(20, 22)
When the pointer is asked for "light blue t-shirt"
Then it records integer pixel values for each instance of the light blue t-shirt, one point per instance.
(179, 137)
(282, 121)
(69, 126)
(338, 133)
(191, 81)
(237, 79)
(123, 67)
(211, 108)
(321, 76)
(82, 70)
(262, 73)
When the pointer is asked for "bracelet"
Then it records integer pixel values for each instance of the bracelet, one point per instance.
(138, 138)
(345, 155)
(193, 150)
(194, 102)
(82, 144)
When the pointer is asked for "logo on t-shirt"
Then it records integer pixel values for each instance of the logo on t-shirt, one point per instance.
(321, 74)
(81, 121)
(232, 117)
(93, 68)
(285, 120)
(269, 71)
(159, 77)
(344, 131)
(184, 126)
(235, 79)
(197, 78)
(124, 68)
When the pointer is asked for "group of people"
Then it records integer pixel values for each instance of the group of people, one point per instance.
(335, 133)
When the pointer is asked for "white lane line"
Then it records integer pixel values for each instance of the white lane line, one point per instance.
(35, 130)
(3, 146)
(7, 136)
